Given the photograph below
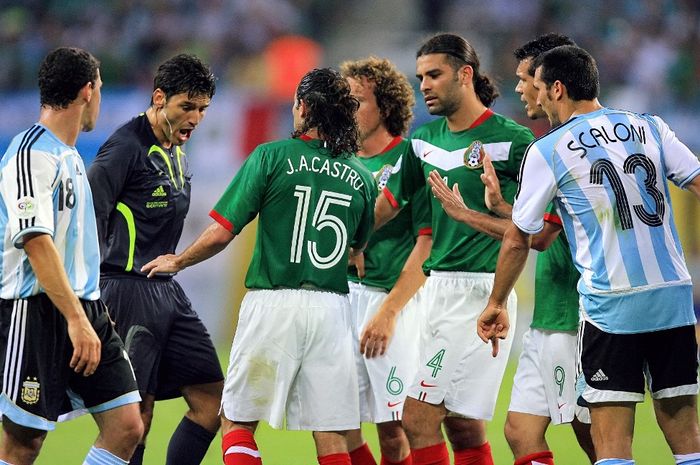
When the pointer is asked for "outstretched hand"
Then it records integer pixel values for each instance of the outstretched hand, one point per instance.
(451, 200)
(492, 325)
(377, 334)
(492, 195)
(166, 264)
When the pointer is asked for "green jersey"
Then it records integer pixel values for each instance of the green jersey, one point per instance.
(556, 277)
(458, 157)
(390, 246)
(312, 207)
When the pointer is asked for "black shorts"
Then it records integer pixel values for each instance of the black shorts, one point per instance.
(613, 367)
(38, 384)
(168, 344)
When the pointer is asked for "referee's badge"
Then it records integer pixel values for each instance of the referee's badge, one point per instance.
(474, 155)
(26, 207)
(30, 391)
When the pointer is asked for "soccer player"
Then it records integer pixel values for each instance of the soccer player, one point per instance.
(58, 345)
(606, 169)
(395, 252)
(292, 355)
(544, 387)
(458, 379)
(141, 186)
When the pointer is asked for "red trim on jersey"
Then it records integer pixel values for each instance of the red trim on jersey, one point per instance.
(390, 197)
(484, 116)
(426, 231)
(552, 218)
(394, 142)
(221, 220)
(305, 137)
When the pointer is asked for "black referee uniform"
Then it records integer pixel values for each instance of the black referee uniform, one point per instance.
(141, 193)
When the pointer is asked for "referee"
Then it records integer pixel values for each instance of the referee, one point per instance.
(141, 187)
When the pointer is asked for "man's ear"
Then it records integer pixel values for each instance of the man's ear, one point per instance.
(86, 92)
(158, 98)
(466, 73)
(559, 90)
(301, 106)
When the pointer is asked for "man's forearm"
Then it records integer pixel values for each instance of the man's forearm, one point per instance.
(511, 261)
(487, 224)
(48, 268)
(411, 277)
(213, 240)
(383, 211)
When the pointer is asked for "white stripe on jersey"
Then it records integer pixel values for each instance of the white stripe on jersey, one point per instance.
(447, 160)
(15, 350)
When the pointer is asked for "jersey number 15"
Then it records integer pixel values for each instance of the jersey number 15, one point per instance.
(321, 219)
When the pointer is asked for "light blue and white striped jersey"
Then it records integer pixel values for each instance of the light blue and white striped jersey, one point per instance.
(44, 189)
(607, 172)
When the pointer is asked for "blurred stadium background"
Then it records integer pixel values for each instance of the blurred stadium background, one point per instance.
(648, 52)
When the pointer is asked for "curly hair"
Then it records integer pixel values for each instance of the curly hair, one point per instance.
(63, 73)
(459, 52)
(394, 94)
(185, 74)
(330, 109)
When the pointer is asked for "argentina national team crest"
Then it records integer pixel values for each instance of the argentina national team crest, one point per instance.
(30, 391)
(474, 155)
(382, 176)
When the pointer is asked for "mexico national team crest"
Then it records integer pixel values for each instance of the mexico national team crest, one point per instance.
(30, 391)
(382, 176)
(474, 155)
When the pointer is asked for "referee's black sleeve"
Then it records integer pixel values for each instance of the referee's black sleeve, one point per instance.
(108, 174)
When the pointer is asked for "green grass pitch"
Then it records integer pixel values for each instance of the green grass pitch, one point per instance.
(69, 443)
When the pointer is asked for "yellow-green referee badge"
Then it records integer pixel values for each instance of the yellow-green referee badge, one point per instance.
(474, 155)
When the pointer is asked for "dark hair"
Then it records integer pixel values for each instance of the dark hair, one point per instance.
(330, 109)
(63, 73)
(459, 52)
(572, 66)
(542, 44)
(185, 74)
(392, 90)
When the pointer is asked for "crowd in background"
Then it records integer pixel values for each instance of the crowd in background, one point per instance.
(648, 51)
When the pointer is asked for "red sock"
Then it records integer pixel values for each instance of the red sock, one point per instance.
(335, 459)
(431, 455)
(538, 458)
(239, 448)
(407, 461)
(475, 456)
(362, 456)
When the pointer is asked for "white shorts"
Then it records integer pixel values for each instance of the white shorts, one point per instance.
(292, 355)
(384, 380)
(455, 365)
(545, 381)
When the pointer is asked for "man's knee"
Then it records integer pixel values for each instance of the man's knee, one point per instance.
(22, 441)
(204, 401)
(392, 438)
(465, 433)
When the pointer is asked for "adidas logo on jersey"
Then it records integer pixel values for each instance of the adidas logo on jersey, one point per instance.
(159, 192)
(599, 376)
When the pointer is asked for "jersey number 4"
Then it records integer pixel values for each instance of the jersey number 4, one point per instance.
(604, 168)
(321, 219)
